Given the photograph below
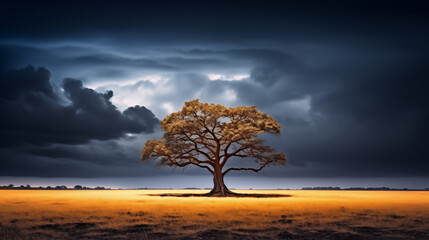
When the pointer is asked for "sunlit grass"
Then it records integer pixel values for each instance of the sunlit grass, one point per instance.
(38, 211)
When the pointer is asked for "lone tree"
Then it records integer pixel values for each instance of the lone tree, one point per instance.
(208, 135)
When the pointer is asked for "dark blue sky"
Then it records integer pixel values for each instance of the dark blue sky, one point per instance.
(83, 85)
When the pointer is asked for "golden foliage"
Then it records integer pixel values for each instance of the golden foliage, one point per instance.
(207, 135)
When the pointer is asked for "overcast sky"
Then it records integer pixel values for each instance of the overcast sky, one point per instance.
(84, 85)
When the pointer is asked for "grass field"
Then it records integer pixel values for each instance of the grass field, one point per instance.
(134, 214)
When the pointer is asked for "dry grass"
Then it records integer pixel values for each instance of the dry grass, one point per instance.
(135, 214)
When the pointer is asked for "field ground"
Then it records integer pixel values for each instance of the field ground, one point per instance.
(133, 214)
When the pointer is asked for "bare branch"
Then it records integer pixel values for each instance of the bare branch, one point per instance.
(203, 166)
(227, 155)
(198, 150)
(193, 163)
(250, 169)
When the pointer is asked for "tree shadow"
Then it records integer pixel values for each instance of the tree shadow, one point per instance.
(232, 194)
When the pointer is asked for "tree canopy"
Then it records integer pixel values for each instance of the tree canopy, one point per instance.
(208, 135)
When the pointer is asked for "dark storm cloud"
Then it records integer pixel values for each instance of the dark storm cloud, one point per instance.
(33, 113)
(379, 121)
(155, 63)
(22, 164)
(91, 62)
(111, 59)
(235, 22)
(347, 80)
(12, 55)
(368, 112)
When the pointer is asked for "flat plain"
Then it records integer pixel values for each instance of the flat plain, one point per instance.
(136, 214)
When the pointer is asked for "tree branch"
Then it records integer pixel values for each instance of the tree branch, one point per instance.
(235, 153)
(250, 169)
(190, 157)
(197, 149)
(203, 166)
(190, 162)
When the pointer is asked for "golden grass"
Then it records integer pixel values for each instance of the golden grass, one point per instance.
(134, 214)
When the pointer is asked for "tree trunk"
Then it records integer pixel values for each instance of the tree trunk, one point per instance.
(219, 187)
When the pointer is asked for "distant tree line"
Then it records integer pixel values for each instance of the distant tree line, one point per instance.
(362, 189)
(79, 187)
(62, 187)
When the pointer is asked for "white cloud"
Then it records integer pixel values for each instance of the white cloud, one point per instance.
(230, 95)
(227, 77)
(168, 107)
(164, 94)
